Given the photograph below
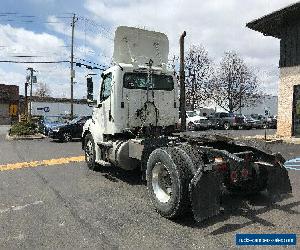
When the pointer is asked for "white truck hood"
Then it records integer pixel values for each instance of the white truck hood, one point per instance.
(137, 46)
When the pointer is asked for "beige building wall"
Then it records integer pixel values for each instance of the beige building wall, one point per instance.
(289, 76)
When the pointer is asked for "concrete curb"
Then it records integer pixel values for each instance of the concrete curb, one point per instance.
(24, 137)
(272, 140)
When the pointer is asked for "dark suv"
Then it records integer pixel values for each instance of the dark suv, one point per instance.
(224, 120)
(70, 130)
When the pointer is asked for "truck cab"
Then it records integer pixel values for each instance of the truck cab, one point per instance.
(138, 96)
(125, 96)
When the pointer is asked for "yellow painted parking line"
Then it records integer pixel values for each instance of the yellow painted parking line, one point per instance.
(45, 163)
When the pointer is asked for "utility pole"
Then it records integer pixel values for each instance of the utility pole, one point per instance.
(31, 81)
(26, 101)
(182, 83)
(74, 19)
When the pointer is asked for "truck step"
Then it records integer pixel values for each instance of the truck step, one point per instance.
(104, 163)
(105, 144)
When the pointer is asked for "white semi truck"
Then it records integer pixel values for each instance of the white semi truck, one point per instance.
(132, 127)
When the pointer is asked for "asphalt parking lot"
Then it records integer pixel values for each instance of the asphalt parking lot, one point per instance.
(49, 199)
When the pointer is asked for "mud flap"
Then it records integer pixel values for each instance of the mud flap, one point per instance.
(278, 181)
(205, 194)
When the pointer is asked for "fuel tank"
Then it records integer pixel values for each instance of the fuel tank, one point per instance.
(118, 155)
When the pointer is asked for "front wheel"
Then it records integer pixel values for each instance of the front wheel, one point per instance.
(168, 182)
(265, 126)
(226, 126)
(67, 137)
(89, 151)
(191, 126)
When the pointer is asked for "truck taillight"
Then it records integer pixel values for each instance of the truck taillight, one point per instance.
(221, 164)
(245, 172)
(233, 176)
(222, 167)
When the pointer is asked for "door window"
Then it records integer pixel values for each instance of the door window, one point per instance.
(106, 87)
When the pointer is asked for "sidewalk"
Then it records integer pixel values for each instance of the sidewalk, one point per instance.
(4, 129)
(273, 139)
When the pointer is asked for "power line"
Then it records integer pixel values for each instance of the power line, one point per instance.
(8, 13)
(94, 27)
(10, 61)
(88, 66)
(26, 56)
(80, 59)
(15, 17)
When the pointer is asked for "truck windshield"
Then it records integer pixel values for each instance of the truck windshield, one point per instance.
(139, 81)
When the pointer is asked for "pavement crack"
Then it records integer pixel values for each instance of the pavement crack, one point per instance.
(93, 233)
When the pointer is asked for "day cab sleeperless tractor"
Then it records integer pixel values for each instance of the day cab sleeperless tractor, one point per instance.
(133, 126)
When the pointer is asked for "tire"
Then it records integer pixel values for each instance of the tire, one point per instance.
(89, 152)
(226, 126)
(168, 180)
(66, 137)
(191, 127)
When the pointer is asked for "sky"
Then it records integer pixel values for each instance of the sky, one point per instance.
(42, 29)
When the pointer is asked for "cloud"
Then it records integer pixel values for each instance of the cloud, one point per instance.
(46, 47)
(95, 42)
(21, 41)
(218, 25)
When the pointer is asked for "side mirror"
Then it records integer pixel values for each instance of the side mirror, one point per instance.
(90, 89)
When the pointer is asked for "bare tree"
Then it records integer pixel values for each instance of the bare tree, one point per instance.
(199, 74)
(235, 85)
(42, 90)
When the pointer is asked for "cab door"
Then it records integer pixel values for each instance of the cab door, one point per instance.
(104, 105)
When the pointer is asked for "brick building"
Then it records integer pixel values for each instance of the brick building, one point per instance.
(9, 103)
(284, 24)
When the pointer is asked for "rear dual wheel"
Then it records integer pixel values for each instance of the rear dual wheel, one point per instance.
(168, 182)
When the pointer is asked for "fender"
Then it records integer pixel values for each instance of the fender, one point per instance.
(92, 126)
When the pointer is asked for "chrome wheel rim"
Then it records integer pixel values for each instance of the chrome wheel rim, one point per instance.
(161, 183)
(67, 137)
(89, 150)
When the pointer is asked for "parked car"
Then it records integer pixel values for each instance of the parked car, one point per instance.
(271, 122)
(66, 132)
(195, 122)
(267, 121)
(47, 122)
(251, 122)
(224, 120)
